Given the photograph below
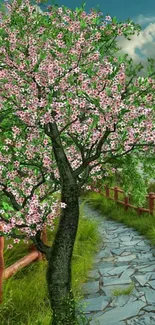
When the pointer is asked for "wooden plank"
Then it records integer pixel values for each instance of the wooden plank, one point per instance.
(26, 260)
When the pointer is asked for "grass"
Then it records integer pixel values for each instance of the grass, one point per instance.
(144, 224)
(25, 298)
(126, 291)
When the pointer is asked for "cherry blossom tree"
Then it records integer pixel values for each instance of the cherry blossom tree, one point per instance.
(69, 109)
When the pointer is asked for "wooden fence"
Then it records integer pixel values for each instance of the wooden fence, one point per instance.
(150, 197)
(34, 255)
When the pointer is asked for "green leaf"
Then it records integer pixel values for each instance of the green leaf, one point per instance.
(96, 20)
(83, 24)
(114, 20)
(7, 207)
(108, 91)
(95, 122)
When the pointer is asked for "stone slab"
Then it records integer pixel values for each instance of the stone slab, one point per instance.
(125, 238)
(126, 274)
(90, 287)
(104, 265)
(94, 304)
(120, 314)
(118, 270)
(147, 268)
(152, 284)
(130, 243)
(126, 253)
(109, 259)
(152, 259)
(120, 301)
(150, 308)
(117, 251)
(113, 245)
(143, 279)
(111, 281)
(144, 255)
(126, 258)
(108, 290)
(143, 320)
(150, 295)
(103, 253)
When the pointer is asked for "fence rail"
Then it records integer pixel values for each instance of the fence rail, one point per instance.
(33, 256)
(116, 190)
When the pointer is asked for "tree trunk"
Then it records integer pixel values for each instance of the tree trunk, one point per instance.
(59, 278)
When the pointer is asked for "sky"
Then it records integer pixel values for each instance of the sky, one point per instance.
(142, 12)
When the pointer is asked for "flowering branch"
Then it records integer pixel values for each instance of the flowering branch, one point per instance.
(94, 157)
(79, 146)
(32, 192)
(66, 126)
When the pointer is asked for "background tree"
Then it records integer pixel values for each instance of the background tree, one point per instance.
(68, 110)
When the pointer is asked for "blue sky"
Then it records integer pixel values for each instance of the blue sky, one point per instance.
(122, 9)
(140, 11)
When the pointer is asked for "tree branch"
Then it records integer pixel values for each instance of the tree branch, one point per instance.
(124, 153)
(17, 226)
(16, 236)
(49, 193)
(91, 148)
(13, 201)
(43, 248)
(65, 127)
(80, 147)
(32, 192)
(141, 91)
(126, 88)
(152, 144)
(85, 177)
(80, 169)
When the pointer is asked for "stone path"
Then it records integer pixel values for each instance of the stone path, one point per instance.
(125, 258)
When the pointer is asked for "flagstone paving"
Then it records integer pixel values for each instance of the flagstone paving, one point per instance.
(124, 258)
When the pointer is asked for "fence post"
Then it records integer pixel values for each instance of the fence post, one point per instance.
(126, 202)
(1, 264)
(107, 191)
(139, 211)
(116, 193)
(151, 202)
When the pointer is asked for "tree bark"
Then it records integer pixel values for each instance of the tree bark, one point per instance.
(59, 278)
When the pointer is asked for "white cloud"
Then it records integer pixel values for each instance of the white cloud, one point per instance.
(142, 20)
(144, 43)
